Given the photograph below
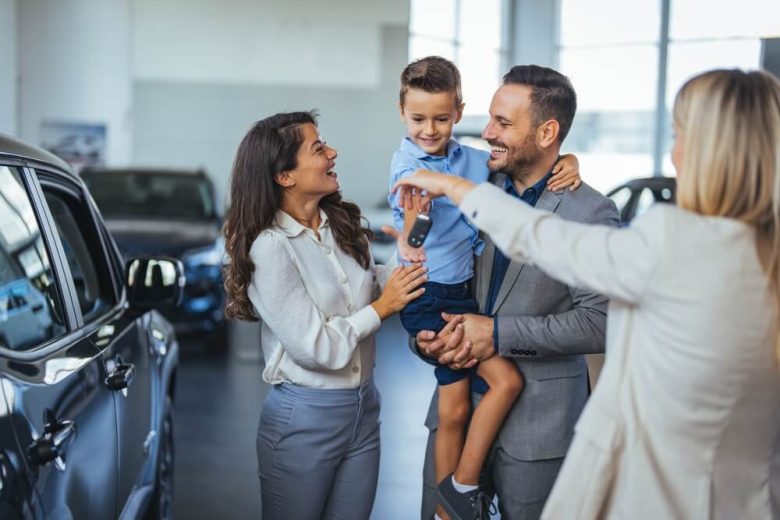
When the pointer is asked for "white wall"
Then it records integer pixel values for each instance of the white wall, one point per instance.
(74, 66)
(205, 70)
(301, 42)
(8, 67)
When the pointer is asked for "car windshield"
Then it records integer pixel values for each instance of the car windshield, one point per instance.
(143, 194)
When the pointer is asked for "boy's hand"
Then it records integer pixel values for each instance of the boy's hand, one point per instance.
(405, 251)
(408, 253)
(565, 174)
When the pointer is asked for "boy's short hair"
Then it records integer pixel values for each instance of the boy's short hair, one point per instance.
(432, 74)
(552, 95)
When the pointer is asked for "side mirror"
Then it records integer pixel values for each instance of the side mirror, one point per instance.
(154, 282)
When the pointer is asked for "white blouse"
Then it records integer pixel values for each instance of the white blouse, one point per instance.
(314, 301)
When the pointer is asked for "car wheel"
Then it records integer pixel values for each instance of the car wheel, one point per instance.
(161, 507)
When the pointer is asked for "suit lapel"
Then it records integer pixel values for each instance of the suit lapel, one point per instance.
(548, 201)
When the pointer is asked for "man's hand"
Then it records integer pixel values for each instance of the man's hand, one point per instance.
(477, 344)
(433, 345)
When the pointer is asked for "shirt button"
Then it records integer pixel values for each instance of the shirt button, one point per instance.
(343, 279)
(355, 369)
(327, 250)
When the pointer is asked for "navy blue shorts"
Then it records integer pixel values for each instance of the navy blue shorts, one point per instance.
(424, 313)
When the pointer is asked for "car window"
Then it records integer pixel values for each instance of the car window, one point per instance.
(31, 311)
(645, 201)
(81, 244)
(127, 194)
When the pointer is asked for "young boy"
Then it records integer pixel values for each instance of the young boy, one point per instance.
(430, 105)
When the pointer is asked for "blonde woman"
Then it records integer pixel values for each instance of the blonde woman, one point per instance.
(684, 421)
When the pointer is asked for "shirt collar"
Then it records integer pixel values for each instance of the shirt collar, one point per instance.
(293, 228)
(407, 145)
(539, 187)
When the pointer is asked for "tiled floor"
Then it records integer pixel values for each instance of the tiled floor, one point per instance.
(217, 409)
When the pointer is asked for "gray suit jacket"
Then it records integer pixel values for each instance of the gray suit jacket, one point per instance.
(546, 327)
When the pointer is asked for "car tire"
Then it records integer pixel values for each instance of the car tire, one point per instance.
(161, 506)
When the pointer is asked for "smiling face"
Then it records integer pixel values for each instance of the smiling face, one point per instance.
(510, 131)
(429, 118)
(314, 175)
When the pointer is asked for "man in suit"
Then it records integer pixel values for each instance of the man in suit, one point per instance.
(545, 326)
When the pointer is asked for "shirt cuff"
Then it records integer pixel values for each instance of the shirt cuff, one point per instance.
(495, 333)
(477, 198)
(365, 321)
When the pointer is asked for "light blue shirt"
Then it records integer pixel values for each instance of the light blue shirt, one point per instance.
(452, 241)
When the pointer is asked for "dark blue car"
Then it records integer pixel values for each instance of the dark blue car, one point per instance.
(171, 213)
(87, 366)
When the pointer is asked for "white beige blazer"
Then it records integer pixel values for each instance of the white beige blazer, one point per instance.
(685, 418)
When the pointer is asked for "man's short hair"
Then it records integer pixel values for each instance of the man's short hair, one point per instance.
(552, 95)
(432, 74)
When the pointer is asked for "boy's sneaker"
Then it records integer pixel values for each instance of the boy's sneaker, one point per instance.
(474, 505)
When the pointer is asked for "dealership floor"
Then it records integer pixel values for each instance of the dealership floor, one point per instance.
(218, 407)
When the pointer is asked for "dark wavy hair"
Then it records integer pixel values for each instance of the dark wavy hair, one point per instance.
(269, 148)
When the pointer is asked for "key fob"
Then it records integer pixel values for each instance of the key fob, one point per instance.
(422, 225)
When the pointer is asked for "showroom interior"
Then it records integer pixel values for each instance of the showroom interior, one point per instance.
(113, 86)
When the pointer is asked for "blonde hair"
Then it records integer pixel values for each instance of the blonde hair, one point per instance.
(730, 126)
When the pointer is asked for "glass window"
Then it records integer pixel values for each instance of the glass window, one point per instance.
(422, 46)
(31, 311)
(467, 32)
(721, 19)
(613, 128)
(434, 18)
(609, 22)
(153, 194)
(88, 267)
(645, 202)
(621, 198)
(609, 48)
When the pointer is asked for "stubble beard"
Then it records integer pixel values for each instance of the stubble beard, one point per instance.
(520, 161)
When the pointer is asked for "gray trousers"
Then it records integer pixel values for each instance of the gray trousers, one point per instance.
(522, 486)
(318, 452)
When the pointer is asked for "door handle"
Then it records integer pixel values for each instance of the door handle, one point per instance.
(53, 443)
(121, 377)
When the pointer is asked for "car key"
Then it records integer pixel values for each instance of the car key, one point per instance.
(422, 225)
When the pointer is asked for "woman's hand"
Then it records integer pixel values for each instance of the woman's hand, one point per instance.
(565, 174)
(435, 185)
(402, 287)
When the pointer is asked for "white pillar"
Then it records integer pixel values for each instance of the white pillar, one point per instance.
(75, 67)
(8, 67)
(533, 33)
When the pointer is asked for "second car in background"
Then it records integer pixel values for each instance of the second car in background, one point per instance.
(172, 213)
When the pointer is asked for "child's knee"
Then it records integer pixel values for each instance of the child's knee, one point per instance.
(511, 384)
(454, 416)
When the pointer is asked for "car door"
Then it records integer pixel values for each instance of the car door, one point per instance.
(63, 416)
(119, 336)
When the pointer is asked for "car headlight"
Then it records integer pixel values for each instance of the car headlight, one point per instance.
(207, 256)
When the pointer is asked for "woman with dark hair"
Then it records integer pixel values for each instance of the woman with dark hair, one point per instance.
(300, 262)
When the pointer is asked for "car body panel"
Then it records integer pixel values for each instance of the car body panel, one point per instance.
(60, 390)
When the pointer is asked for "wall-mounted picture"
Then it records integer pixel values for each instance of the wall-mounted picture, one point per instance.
(80, 144)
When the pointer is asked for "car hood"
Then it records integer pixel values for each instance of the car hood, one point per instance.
(161, 237)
